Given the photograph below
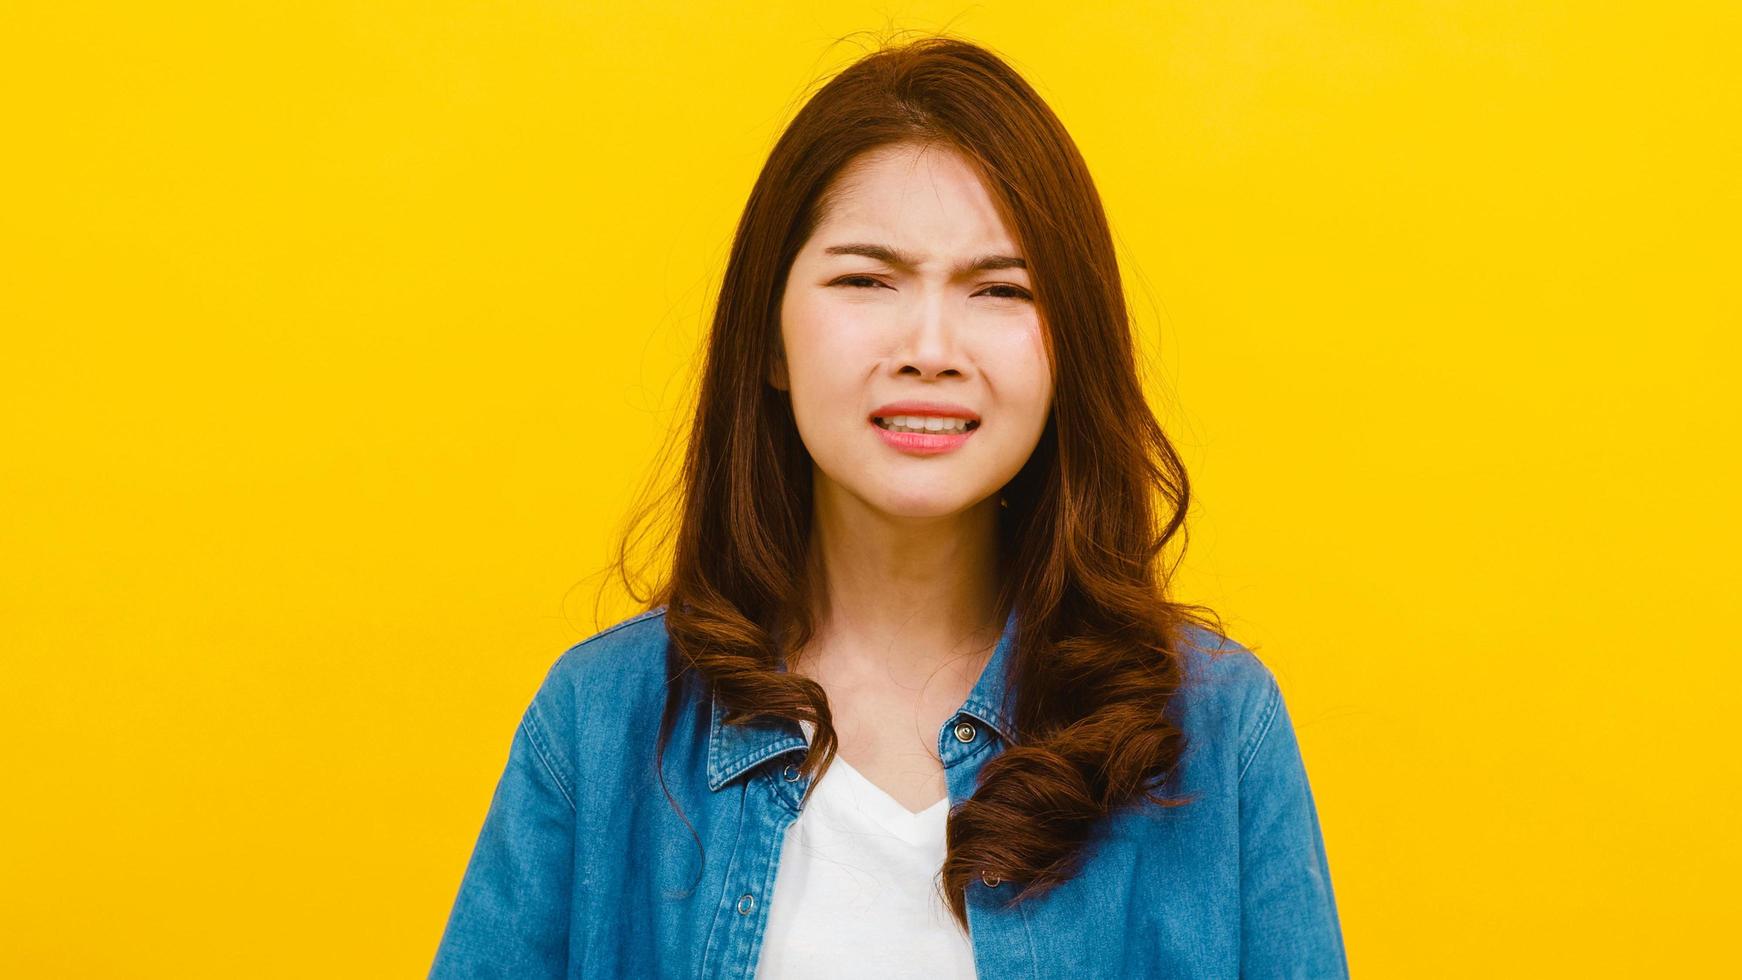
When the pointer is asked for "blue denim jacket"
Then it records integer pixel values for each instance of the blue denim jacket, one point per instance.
(583, 869)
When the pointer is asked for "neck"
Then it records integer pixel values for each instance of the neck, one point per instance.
(907, 594)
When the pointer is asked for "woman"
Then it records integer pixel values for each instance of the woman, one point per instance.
(911, 700)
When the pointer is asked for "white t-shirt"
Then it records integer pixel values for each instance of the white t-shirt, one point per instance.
(855, 894)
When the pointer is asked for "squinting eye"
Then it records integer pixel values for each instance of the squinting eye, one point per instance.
(868, 282)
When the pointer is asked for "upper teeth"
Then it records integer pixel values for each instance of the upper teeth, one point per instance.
(924, 423)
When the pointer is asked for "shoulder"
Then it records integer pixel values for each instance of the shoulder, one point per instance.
(1229, 695)
(619, 650)
(617, 670)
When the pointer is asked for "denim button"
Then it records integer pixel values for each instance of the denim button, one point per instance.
(746, 902)
(791, 773)
(964, 732)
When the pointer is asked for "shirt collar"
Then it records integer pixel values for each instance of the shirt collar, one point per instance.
(736, 749)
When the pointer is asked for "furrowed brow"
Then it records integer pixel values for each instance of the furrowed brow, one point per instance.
(901, 260)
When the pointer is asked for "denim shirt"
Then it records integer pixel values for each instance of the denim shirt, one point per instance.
(583, 869)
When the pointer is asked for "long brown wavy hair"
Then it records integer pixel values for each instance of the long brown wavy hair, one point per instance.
(1097, 654)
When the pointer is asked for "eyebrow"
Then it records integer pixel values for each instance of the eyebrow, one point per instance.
(901, 260)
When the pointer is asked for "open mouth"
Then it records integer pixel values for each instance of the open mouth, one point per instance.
(919, 425)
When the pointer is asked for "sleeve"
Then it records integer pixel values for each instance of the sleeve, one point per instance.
(1289, 923)
(511, 916)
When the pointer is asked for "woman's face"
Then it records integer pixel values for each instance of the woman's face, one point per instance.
(912, 290)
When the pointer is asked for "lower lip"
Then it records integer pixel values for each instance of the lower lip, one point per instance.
(922, 444)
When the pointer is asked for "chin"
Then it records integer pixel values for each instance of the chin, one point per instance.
(923, 506)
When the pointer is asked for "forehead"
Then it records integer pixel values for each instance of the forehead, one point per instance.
(929, 196)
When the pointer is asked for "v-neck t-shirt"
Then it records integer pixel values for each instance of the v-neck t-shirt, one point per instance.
(856, 892)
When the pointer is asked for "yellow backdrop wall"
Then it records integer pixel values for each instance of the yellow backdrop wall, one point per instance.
(338, 335)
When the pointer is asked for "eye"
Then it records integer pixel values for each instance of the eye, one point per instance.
(1012, 292)
(854, 281)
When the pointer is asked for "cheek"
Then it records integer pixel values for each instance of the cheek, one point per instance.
(806, 325)
(1037, 355)
(826, 354)
(1025, 370)
(800, 334)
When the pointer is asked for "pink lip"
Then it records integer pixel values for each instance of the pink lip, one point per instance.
(918, 443)
(927, 408)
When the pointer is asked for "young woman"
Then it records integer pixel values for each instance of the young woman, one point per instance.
(911, 699)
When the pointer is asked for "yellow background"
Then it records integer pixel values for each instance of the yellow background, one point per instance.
(337, 337)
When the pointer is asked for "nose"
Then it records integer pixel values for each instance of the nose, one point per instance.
(931, 345)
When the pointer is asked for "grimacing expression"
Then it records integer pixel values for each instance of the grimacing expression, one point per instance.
(888, 301)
